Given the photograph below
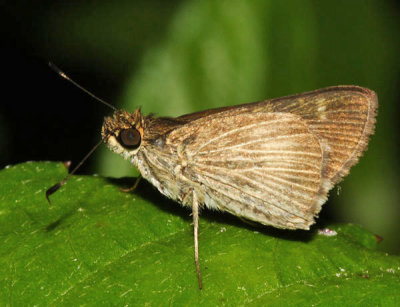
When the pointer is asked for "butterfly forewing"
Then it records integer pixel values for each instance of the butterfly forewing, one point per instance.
(264, 167)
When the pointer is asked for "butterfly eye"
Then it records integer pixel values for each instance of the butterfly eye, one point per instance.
(130, 138)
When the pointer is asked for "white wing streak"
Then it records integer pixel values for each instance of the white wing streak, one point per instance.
(269, 145)
(343, 111)
(278, 151)
(356, 122)
(343, 132)
(250, 164)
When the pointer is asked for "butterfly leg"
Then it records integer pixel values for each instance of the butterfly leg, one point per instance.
(127, 190)
(195, 214)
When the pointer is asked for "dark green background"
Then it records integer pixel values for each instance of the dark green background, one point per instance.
(174, 57)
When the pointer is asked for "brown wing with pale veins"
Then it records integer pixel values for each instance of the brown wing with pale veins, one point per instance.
(264, 167)
(343, 118)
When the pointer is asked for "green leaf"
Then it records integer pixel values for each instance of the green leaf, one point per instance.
(96, 245)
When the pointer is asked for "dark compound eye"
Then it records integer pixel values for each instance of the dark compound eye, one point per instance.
(129, 138)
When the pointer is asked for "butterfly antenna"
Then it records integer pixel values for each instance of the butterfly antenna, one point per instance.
(64, 75)
(55, 187)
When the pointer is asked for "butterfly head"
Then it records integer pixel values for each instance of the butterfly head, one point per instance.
(123, 132)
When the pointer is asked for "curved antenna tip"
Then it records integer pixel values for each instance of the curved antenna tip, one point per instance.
(53, 189)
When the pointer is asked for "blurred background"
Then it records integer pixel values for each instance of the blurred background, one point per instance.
(174, 57)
